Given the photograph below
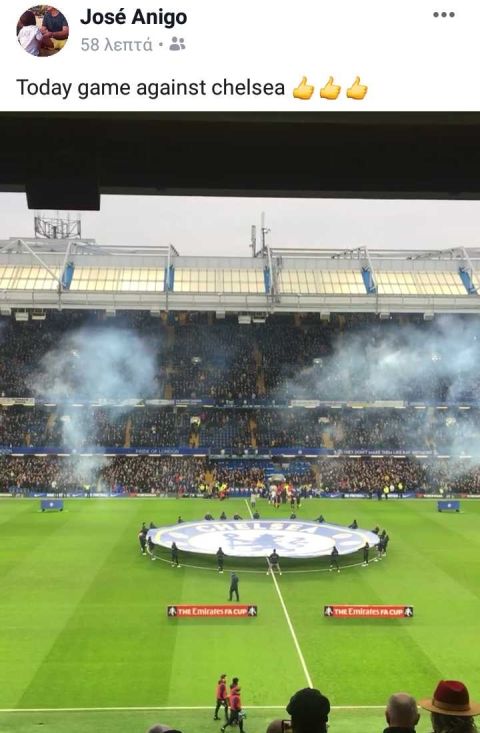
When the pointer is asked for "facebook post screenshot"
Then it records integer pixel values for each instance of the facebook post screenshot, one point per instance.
(239, 339)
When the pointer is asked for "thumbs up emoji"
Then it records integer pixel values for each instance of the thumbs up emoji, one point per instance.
(304, 90)
(357, 90)
(330, 90)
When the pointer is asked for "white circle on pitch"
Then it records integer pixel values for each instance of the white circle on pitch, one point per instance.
(257, 538)
(257, 544)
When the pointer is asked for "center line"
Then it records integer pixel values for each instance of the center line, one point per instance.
(287, 616)
(248, 507)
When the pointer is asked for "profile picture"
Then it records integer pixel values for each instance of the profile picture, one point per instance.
(42, 30)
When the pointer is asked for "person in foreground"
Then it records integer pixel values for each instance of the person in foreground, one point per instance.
(309, 711)
(236, 716)
(451, 709)
(54, 28)
(221, 697)
(401, 713)
(29, 35)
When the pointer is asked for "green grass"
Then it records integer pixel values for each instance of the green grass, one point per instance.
(345, 721)
(83, 617)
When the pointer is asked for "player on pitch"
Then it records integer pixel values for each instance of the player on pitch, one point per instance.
(233, 587)
(273, 563)
(220, 558)
(174, 551)
(334, 559)
(142, 538)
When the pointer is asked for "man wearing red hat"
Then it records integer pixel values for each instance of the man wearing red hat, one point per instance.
(451, 708)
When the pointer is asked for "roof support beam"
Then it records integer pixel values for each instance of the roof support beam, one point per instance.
(42, 262)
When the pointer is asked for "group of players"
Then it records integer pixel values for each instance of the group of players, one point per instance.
(229, 699)
(383, 540)
(146, 542)
(281, 495)
(273, 566)
(273, 559)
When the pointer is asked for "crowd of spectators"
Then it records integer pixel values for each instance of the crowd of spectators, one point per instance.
(226, 429)
(290, 356)
(153, 428)
(64, 473)
(449, 708)
(457, 476)
(194, 475)
(155, 475)
(446, 432)
(244, 476)
(48, 473)
(371, 475)
(296, 427)
(215, 360)
(21, 426)
(109, 427)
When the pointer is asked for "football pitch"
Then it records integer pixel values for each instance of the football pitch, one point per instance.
(86, 644)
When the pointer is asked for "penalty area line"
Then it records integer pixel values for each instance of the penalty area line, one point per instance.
(155, 707)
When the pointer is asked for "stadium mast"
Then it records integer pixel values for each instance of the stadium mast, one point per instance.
(57, 227)
(262, 252)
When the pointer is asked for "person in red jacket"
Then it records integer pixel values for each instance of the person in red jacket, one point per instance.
(222, 697)
(235, 710)
(233, 686)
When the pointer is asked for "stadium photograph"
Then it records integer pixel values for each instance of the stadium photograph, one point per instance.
(239, 462)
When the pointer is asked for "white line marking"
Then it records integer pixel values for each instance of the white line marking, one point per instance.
(249, 509)
(292, 630)
(358, 707)
(290, 625)
(153, 707)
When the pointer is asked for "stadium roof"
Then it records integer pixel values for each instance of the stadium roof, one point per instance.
(60, 274)
(301, 154)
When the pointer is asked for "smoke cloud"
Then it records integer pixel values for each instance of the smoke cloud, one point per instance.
(92, 365)
(434, 362)
(95, 364)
